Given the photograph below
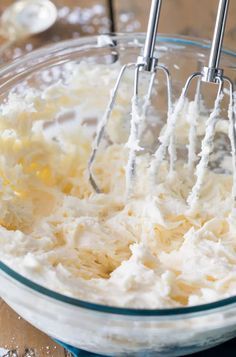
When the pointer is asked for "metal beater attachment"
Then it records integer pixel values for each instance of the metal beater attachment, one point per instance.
(209, 74)
(146, 62)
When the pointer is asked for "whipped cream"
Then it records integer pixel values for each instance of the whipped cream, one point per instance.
(151, 251)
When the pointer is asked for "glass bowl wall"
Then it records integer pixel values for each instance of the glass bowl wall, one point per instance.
(92, 327)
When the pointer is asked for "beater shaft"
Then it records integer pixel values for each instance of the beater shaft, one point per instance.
(148, 60)
(212, 71)
(218, 36)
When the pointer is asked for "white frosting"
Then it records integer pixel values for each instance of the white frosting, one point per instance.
(193, 114)
(133, 144)
(166, 140)
(206, 150)
(149, 251)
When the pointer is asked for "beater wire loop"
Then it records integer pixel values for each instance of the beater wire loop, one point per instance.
(232, 132)
(207, 146)
(102, 125)
(192, 119)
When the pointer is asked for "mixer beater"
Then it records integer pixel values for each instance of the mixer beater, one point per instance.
(146, 62)
(212, 73)
(209, 74)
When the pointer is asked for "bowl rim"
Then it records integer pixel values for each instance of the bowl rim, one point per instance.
(48, 293)
(176, 312)
(86, 41)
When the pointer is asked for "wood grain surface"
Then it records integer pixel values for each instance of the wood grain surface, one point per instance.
(88, 17)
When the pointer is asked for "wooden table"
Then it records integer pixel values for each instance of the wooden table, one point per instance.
(178, 16)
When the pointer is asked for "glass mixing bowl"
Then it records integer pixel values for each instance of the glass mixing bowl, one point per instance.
(97, 328)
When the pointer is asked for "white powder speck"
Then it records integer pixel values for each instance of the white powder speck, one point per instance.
(3, 352)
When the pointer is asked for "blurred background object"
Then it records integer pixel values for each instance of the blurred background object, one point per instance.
(89, 17)
(25, 18)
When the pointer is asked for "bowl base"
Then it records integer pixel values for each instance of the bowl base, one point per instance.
(227, 348)
(76, 352)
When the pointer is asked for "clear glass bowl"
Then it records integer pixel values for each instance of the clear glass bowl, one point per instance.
(104, 329)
